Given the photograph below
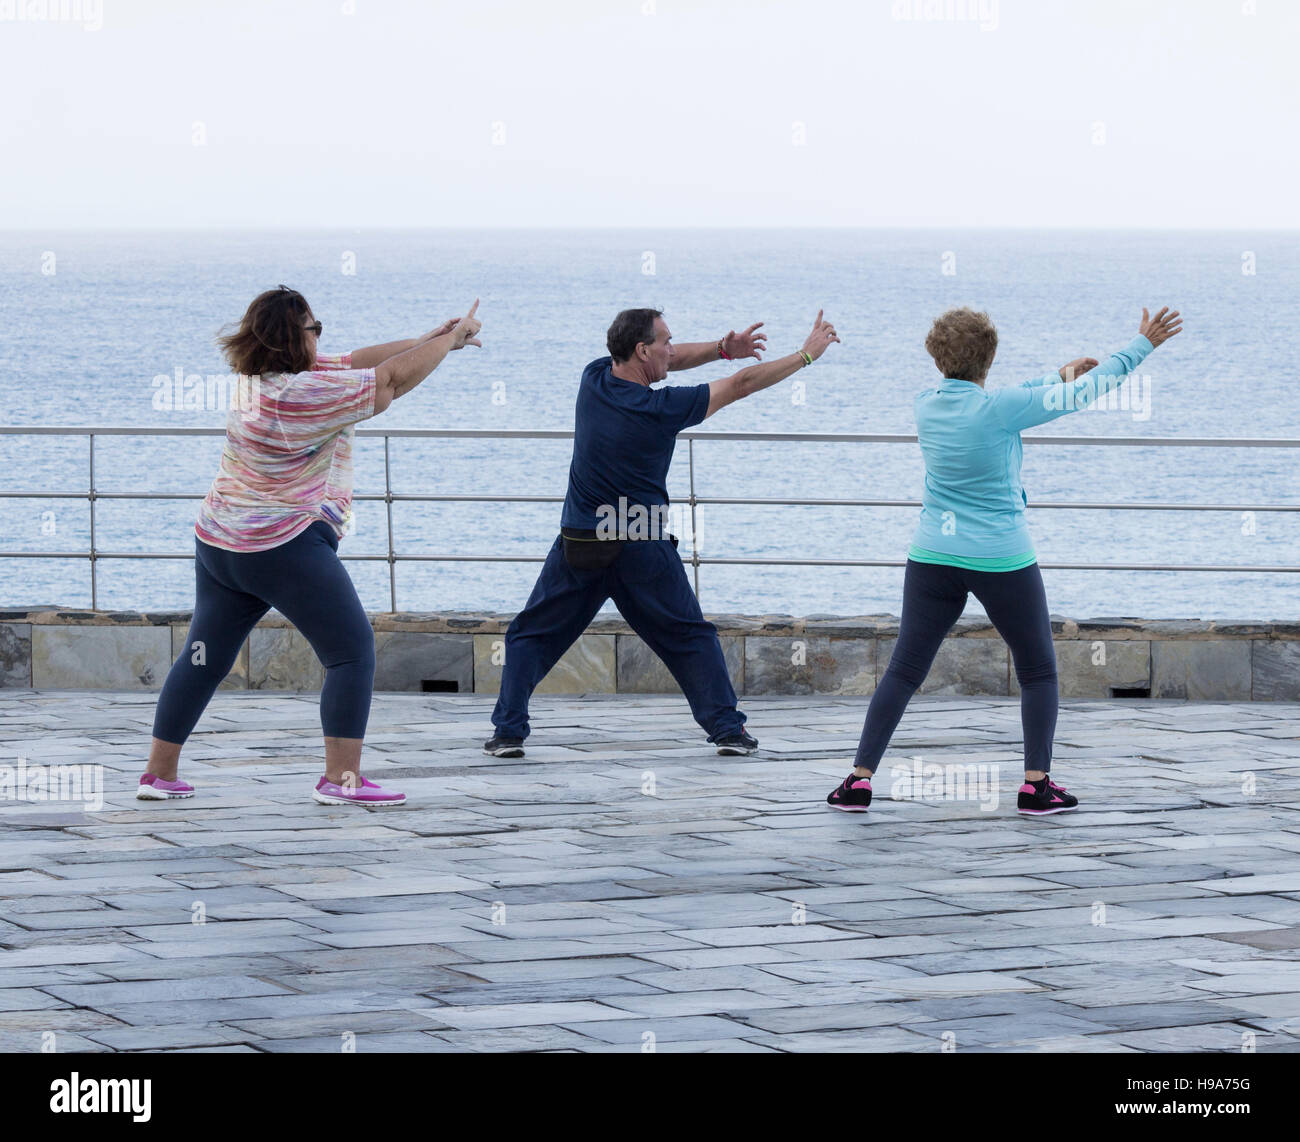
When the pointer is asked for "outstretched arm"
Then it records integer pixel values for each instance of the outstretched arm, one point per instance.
(1075, 368)
(757, 377)
(734, 346)
(400, 374)
(373, 355)
(1046, 398)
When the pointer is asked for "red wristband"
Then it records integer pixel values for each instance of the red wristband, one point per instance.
(722, 352)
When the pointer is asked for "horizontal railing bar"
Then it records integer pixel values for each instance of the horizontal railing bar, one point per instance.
(822, 503)
(1123, 441)
(559, 434)
(1044, 566)
(744, 501)
(567, 434)
(181, 555)
(104, 495)
(85, 496)
(745, 560)
(378, 497)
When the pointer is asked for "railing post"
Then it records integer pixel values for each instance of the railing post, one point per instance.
(695, 543)
(94, 588)
(392, 556)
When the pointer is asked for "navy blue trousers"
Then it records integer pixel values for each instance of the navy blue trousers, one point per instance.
(649, 586)
(934, 597)
(306, 582)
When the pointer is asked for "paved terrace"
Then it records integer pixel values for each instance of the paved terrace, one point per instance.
(555, 905)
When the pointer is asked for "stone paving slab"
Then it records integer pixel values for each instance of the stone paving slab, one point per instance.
(622, 888)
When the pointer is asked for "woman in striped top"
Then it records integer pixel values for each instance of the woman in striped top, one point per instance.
(267, 534)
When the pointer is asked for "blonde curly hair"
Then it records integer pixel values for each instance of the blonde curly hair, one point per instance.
(963, 343)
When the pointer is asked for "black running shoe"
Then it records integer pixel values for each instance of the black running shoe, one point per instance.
(1043, 798)
(737, 744)
(504, 747)
(853, 794)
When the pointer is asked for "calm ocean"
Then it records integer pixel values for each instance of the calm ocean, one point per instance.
(90, 319)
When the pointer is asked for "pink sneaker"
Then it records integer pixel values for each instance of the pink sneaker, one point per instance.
(157, 789)
(367, 793)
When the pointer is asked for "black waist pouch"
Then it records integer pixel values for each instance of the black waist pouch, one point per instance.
(584, 552)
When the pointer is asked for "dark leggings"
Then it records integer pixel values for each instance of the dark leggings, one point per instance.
(303, 580)
(934, 597)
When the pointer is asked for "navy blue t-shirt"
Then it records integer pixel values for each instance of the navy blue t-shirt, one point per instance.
(624, 435)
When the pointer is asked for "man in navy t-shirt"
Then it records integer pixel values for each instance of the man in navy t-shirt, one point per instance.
(623, 441)
(614, 541)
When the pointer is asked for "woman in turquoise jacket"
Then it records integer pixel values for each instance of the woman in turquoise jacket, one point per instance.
(972, 537)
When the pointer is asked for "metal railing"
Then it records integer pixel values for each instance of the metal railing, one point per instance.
(389, 497)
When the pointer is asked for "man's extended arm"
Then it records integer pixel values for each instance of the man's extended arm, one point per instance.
(757, 377)
(692, 355)
(736, 346)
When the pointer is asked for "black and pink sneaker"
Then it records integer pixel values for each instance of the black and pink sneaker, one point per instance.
(1043, 798)
(853, 795)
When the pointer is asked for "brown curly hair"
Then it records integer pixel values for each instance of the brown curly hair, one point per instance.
(271, 337)
(963, 343)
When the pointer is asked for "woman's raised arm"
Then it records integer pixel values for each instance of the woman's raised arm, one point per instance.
(398, 375)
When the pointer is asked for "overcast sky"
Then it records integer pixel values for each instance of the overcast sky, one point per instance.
(342, 113)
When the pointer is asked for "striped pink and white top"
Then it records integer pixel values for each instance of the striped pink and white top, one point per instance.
(288, 460)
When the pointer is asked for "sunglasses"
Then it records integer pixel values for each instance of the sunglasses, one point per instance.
(316, 328)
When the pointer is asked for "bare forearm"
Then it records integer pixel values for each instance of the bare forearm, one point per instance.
(768, 373)
(407, 370)
(374, 355)
(758, 377)
(692, 355)
(751, 380)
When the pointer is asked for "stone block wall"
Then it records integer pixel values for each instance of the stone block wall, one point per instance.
(774, 654)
